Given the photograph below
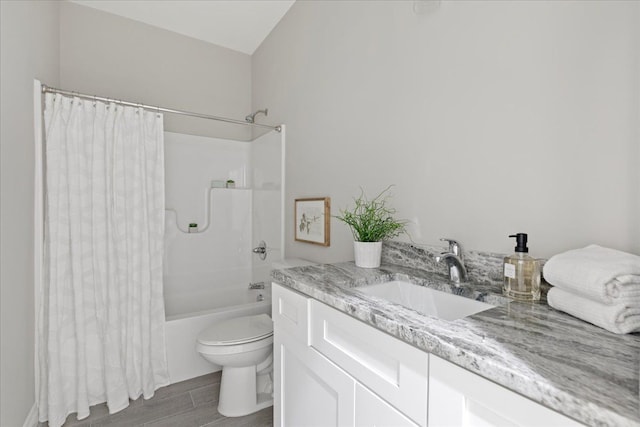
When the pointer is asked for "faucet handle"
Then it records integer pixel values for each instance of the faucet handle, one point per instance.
(454, 246)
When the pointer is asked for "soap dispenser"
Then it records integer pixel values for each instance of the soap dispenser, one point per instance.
(521, 273)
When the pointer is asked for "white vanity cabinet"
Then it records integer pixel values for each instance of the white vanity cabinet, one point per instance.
(333, 370)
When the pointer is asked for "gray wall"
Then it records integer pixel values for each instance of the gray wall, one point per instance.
(29, 49)
(489, 117)
(108, 55)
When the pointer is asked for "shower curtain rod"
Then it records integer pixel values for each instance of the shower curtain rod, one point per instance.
(47, 89)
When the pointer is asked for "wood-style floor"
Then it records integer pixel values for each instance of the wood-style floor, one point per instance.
(191, 403)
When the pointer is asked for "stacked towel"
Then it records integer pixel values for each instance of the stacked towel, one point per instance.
(621, 318)
(599, 285)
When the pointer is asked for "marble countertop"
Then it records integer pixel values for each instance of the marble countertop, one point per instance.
(571, 366)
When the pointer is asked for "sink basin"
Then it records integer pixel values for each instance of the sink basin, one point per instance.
(425, 300)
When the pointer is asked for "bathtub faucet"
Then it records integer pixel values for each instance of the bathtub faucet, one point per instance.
(256, 285)
(261, 250)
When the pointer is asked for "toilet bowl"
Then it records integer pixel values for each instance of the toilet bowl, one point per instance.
(243, 346)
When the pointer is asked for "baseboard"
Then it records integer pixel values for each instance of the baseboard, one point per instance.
(32, 418)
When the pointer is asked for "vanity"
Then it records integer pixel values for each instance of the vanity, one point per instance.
(345, 355)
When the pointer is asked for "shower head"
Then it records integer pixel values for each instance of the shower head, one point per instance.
(251, 118)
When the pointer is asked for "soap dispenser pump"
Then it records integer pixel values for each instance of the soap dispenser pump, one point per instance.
(521, 272)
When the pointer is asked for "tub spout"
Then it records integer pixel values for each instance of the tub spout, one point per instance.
(256, 285)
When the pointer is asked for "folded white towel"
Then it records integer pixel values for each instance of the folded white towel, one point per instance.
(621, 318)
(623, 287)
(599, 273)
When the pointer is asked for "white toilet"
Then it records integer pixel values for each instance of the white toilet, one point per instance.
(244, 348)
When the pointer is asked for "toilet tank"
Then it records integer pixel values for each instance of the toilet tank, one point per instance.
(290, 262)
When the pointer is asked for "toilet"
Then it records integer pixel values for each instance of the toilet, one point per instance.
(243, 346)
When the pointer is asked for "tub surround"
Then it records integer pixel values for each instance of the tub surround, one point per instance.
(561, 362)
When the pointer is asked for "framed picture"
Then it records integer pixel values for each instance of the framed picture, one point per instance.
(312, 217)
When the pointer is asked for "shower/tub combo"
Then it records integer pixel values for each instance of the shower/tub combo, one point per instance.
(113, 183)
(207, 274)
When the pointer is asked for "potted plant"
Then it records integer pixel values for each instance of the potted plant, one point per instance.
(371, 221)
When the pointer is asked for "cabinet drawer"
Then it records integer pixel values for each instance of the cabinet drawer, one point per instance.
(394, 370)
(290, 312)
(461, 398)
(370, 410)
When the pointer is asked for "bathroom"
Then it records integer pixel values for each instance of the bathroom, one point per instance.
(488, 118)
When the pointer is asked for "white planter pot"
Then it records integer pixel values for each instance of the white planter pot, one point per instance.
(367, 254)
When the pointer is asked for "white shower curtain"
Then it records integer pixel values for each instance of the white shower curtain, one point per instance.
(101, 320)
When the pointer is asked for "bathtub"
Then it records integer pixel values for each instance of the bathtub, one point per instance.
(189, 312)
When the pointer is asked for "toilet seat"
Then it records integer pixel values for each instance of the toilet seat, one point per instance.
(241, 330)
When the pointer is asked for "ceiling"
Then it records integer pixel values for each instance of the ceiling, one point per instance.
(236, 24)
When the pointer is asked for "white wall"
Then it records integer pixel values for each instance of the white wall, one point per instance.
(29, 49)
(489, 117)
(108, 55)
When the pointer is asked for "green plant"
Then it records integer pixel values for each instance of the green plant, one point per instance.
(372, 220)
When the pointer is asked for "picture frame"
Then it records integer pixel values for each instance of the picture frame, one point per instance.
(312, 220)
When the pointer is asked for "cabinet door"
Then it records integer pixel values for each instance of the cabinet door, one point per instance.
(371, 411)
(310, 390)
(392, 369)
(458, 397)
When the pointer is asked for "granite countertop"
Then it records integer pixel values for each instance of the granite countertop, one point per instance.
(571, 366)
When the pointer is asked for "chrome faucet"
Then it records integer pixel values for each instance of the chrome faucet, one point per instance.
(261, 250)
(454, 260)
